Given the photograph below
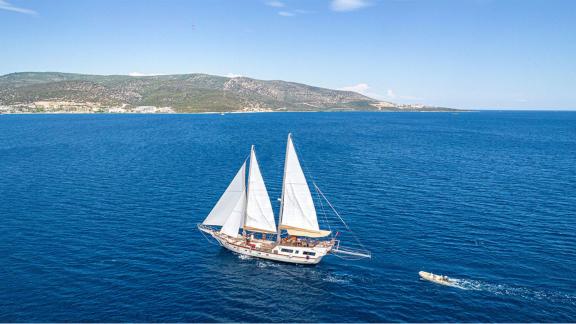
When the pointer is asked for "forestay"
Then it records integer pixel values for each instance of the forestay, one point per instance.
(259, 214)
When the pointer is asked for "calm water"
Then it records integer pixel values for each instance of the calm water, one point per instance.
(98, 214)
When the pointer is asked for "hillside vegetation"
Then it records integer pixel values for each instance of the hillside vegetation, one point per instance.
(49, 91)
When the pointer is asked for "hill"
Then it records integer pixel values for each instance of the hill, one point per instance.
(184, 93)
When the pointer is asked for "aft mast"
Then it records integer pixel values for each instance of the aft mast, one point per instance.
(283, 185)
(247, 192)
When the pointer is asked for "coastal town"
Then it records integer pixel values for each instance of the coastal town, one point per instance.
(63, 107)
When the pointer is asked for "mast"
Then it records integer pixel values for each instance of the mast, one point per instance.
(282, 195)
(248, 190)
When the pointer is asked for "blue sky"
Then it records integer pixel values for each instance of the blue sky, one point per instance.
(518, 54)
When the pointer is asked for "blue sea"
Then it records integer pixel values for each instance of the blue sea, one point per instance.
(98, 217)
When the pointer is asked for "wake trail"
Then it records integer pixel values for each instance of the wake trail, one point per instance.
(507, 290)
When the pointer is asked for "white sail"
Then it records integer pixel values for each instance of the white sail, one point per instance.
(298, 211)
(234, 221)
(228, 203)
(259, 214)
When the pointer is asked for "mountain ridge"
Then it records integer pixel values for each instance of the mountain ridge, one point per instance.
(30, 92)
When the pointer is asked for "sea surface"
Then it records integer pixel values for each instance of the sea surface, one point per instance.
(98, 217)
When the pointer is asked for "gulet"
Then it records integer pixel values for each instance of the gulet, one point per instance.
(243, 221)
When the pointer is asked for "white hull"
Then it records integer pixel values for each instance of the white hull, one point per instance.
(438, 279)
(270, 250)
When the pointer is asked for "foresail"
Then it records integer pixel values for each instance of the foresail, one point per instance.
(298, 211)
(234, 221)
(259, 214)
(227, 204)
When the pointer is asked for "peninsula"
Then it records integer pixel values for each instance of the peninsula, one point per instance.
(53, 92)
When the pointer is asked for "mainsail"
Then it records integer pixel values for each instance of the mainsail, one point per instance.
(298, 214)
(230, 209)
(259, 214)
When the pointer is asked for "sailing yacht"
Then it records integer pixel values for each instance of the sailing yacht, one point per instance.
(247, 207)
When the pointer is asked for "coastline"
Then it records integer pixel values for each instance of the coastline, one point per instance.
(243, 112)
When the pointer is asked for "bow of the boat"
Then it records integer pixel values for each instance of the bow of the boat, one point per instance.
(204, 228)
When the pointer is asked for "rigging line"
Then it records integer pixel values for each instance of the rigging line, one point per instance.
(302, 160)
(324, 213)
(307, 172)
(311, 176)
(304, 165)
(207, 239)
(340, 217)
(333, 209)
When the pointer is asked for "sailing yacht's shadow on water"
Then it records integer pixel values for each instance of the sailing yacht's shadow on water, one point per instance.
(300, 274)
(276, 290)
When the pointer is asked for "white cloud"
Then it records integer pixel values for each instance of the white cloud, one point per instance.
(361, 88)
(348, 5)
(295, 12)
(140, 74)
(391, 94)
(232, 75)
(5, 5)
(275, 4)
(365, 89)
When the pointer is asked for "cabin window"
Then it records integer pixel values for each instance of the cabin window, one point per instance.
(309, 253)
(287, 250)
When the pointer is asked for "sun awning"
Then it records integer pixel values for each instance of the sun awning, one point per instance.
(307, 233)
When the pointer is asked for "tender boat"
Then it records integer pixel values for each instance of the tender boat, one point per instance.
(439, 279)
(246, 205)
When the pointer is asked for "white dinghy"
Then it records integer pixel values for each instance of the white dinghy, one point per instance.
(249, 208)
(439, 279)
